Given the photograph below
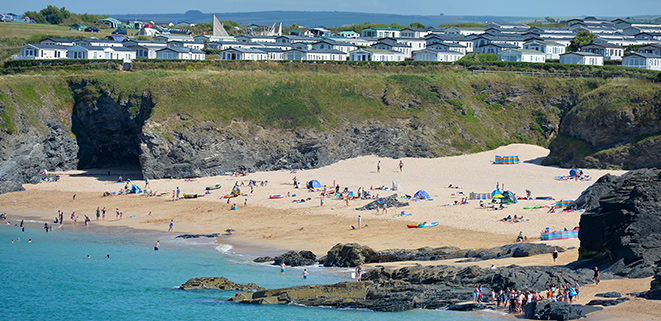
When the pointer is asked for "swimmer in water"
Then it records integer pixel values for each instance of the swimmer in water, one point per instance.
(157, 245)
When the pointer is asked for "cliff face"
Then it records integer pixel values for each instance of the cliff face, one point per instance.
(204, 149)
(611, 126)
(197, 124)
(34, 135)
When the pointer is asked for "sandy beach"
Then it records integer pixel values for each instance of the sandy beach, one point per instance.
(270, 226)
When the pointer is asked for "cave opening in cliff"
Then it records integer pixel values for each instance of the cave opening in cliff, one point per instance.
(108, 132)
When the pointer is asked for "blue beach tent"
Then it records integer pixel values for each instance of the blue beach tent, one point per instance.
(313, 184)
(135, 190)
(421, 195)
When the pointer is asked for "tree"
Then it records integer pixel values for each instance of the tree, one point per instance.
(55, 15)
(417, 25)
(583, 38)
(36, 16)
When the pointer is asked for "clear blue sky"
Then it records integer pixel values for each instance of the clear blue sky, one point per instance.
(619, 8)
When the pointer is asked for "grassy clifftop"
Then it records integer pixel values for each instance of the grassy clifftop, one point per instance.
(457, 110)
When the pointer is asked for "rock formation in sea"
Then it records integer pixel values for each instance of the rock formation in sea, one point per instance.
(217, 283)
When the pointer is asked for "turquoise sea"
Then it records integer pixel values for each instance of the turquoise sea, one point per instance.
(51, 278)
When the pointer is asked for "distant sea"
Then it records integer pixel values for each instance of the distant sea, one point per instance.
(51, 278)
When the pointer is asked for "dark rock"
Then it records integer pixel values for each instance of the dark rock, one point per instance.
(391, 201)
(195, 236)
(449, 252)
(217, 283)
(293, 258)
(548, 310)
(467, 307)
(422, 287)
(263, 259)
(625, 225)
(607, 303)
(350, 255)
(655, 289)
(609, 295)
(206, 148)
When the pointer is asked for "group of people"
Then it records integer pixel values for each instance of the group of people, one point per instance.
(514, 300)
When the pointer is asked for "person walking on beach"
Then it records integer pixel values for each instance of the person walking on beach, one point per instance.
(98, 213)
(359, 272)
(401, 165)
(378, 167)
(157, 245)
(103, 214)
(596, 275)
(171, 229)
(178, 192)
(360, 221)
(555, 255)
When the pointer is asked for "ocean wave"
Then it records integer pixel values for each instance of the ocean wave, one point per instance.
(223, 248)
(35, 221)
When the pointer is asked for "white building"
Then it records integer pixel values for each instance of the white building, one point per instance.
(345, 47)
(243, 54)
(316, 55)
(393, 46)
(521, 55)
(88, 52)
(380, 33)
(551, 49)
(182, 53)
(370, 54)
(431, 54)
(642, 60)
(448, 47)
(41, 51)
(608, 51)
(582, 58)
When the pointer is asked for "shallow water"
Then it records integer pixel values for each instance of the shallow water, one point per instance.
(52, 278)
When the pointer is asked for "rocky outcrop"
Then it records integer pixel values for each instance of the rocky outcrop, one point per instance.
(196, 236)
(294, 258)
(30, 147)
(217, 283)
(607, 303)
(467, 307)
(108, 129)
(350, 255)
(655, 289)
(612, 126)
(391, 202)
(549, 310)
(626, 226)
(429, 287)
(612, 294)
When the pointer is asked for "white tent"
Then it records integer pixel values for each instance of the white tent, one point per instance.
(396, 186)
